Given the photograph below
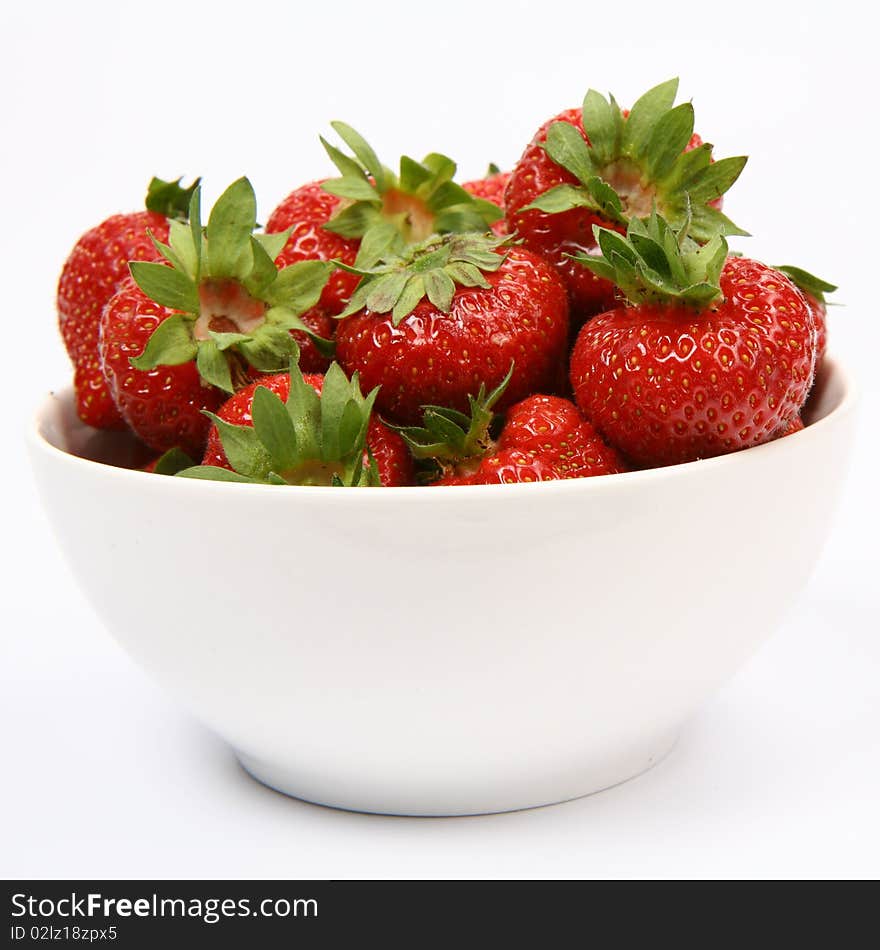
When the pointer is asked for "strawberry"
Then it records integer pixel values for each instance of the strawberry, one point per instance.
(94, 271)
(304, 430)
(601, 166)
(491, 188)
(789, 428)
(814, 289)
(543, 438)
(711, 354)
(450, 315)
(305, 212)
(202, 323)
(163, 405)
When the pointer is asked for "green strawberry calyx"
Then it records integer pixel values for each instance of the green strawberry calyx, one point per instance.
(310, 439)
(171, 462)
(657, 263)
(814, 286)
(387, 212)
(636, 162)
(233, 306)
(452, 440)
(170, 197)
(432, 268)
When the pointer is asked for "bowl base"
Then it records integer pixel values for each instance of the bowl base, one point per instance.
(430, 803)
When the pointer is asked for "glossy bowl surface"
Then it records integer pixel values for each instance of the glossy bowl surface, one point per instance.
(446, 651)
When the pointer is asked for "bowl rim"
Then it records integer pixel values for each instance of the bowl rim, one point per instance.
(832, 367)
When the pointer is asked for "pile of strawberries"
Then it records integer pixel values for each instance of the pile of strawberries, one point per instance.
(580, 315)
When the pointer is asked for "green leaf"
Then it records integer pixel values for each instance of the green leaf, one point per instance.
(385, 291)
(459, 219)
(643, 117)
(358, 300)
(226, 340)
(268, 349)
(352, 189)
(440, 288)
(169, 198)
(262, 272)
(165, 285)
(335, 394)
(466, 274)
(347, 166)
(809, 283)
(381, 239)
(350, 430)
(354, 220)
(445, 434)
(611, 243)
(653, 254)
(181, 240)
(195, 227)
(363, 152)
(409, 299)
(442, 167)
(242, 447)
(450, 195)
(412, 174)
(670, 137)
(299, 286)
(561, 198)
(715, 179)
(232, 219)
(566, 146)
(274, 428)
(605, 199)
(170, 344)
(304, 409)
(487, 210)
(603, 124)
(213, 366)
(273, 244)
(280, 318)
(173, 461)
(213, 473)
(707, 222)
(167, 252)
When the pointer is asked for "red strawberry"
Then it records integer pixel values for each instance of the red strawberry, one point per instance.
(789, 428)
(204, 326)
(491, 188)
(711, 354)
(306, 211)
(483, 309)
(543, 438)
(93, 272)
(603, 166)
(162, 405)
(814, 289)
(394, 465)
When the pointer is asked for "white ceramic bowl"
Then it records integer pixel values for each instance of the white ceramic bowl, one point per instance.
(447, 651)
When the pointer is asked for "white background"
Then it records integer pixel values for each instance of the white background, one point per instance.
(104, 776)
